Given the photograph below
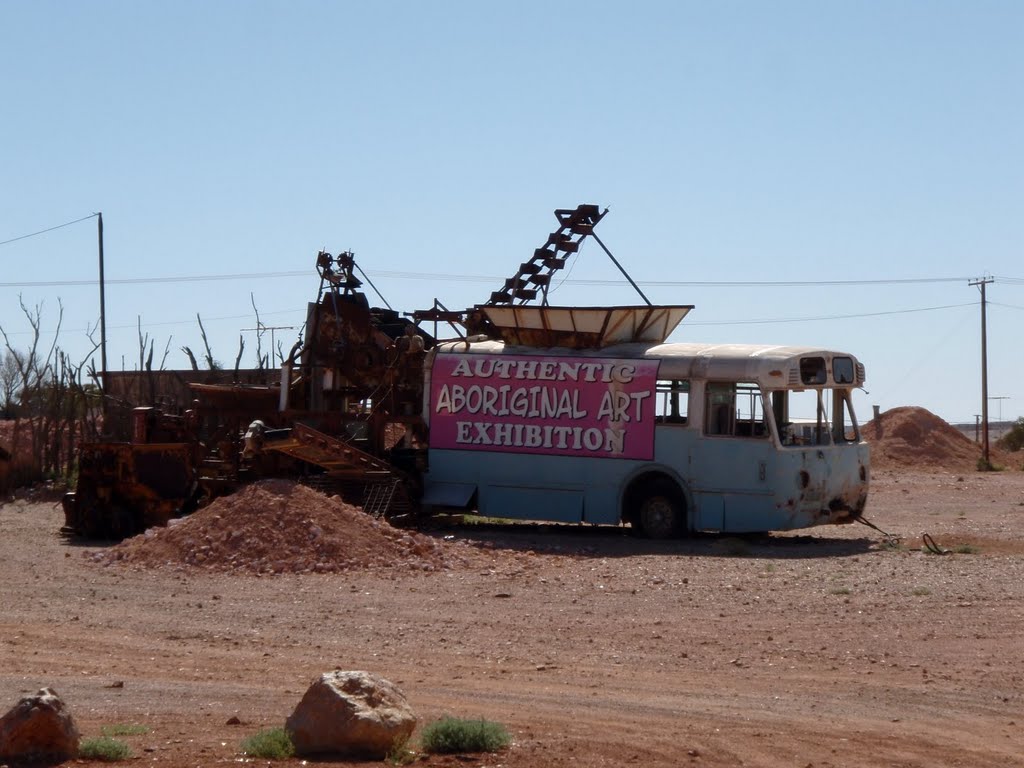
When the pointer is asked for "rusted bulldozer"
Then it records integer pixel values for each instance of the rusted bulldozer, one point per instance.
(125, 487)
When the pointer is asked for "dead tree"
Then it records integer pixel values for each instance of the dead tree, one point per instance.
(55, 401)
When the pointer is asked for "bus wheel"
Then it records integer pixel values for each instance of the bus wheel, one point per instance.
(660, 515)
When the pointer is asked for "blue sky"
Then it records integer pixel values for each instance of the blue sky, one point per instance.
(733, 141)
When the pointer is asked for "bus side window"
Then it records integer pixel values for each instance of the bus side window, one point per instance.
(735, 410)
(719, 407)
(673, 402)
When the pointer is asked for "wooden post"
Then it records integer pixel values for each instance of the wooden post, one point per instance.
(982, 282)
(103, 311)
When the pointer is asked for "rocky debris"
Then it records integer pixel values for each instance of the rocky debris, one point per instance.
(39, 728)
(915, 437)
(350, 714)
(279, 526)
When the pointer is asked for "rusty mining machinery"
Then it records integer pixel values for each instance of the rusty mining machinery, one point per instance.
(346, 413)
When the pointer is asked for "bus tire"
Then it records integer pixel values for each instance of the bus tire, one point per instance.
(660, 514)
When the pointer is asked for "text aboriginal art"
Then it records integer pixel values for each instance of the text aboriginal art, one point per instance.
(548, 405)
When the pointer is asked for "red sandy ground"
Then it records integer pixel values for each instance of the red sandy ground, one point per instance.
(821, 648)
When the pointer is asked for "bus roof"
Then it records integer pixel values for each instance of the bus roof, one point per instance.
(772, 366)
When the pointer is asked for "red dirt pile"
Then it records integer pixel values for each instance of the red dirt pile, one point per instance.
(915, 437)
(278, 526)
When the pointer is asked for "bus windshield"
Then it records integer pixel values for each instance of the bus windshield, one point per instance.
(814, 417)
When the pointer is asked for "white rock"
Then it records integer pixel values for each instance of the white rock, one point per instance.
(350, 714)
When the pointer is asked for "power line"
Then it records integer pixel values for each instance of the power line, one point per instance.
(164, 323)
(829, 317)
(168, 279)
(446, 277)
(49, 229)
(757, 321)
(685, 283)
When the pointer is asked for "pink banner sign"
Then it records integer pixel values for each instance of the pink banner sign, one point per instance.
(563, 406)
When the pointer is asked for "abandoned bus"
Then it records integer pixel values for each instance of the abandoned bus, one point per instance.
(671, 438)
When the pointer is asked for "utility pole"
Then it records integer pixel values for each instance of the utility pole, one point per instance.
(981, 283)
(103, 314)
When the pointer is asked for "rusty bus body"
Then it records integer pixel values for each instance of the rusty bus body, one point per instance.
(672, 438)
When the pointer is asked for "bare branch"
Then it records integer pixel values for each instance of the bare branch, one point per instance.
(167, 349)
(191, 358)
(241, 349)
(210, 362)
(143, 342)
(259, 333)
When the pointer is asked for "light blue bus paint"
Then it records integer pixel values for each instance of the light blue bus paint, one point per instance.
(755, 475)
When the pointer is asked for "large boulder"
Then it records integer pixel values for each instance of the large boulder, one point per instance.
(350, 714)
(39, 728)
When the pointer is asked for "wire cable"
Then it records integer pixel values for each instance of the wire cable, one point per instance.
(756, 321)
(146, 280)
(50, 229)
(445, 277)
(163, 323)
(685, 283)
(829, 317)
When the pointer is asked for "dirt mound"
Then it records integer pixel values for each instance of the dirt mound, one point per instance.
(915, 437)
(278, 526)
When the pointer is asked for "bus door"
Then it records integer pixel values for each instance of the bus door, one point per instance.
(731, 462)
(812, 423)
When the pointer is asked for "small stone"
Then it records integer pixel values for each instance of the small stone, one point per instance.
(39, 728)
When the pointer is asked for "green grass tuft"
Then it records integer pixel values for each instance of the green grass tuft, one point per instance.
(400, 753)
(453, 734)
(272, 744)
(104, 748)
(988, 466)
(124, 729)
